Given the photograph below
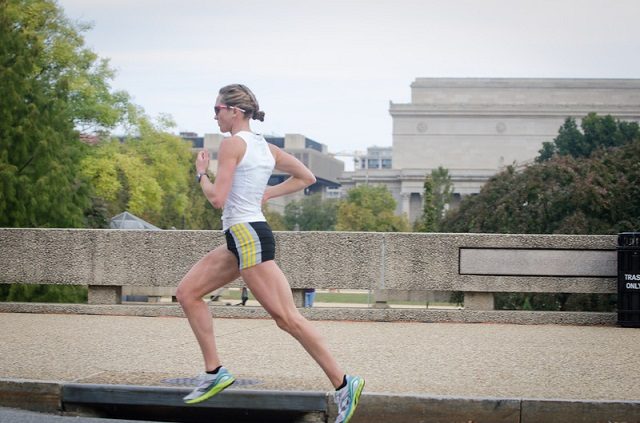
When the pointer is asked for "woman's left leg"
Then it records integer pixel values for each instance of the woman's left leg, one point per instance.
(271, 288)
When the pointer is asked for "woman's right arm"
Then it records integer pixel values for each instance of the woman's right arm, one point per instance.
(230, 152)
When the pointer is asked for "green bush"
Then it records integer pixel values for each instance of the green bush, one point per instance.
(43, 293)
(555, 302)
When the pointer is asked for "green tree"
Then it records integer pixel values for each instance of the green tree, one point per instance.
(443, 190)
(275, 219)
(148, 174)
(39, 149)
(48, 83)
(595, 195)
(597, 132)
(438, 191)
(370, 208)
(311, 213)
(428, 220)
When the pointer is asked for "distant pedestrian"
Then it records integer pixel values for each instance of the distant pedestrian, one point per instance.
(244, 296)
(309, 297)
(245, 163)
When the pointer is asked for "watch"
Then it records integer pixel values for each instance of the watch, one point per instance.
(200, 175)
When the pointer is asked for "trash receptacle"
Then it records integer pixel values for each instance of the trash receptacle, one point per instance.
(629, 279)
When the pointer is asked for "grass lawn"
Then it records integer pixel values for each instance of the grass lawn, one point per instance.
(233, 294)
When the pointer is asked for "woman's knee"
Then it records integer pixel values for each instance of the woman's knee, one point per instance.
(292, 323)
(184, 295)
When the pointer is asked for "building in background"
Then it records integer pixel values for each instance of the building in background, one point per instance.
(197, 142)
(375, 158)
(475, 127)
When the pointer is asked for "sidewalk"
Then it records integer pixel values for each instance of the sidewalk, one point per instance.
(460, 360)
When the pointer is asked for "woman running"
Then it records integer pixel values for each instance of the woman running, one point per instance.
(245, 163)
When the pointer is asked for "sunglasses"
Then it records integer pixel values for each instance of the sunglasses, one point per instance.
(217, 109)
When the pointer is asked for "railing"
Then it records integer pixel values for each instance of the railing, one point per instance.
(477, 264)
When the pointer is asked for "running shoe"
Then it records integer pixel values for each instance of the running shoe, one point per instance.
(209, 386)
(347, 398)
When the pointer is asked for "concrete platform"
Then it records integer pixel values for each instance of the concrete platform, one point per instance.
(417, 369)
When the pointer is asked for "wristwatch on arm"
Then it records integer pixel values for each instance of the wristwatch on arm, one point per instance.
(200, 175)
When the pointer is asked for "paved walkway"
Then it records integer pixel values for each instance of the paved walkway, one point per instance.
(462, 360)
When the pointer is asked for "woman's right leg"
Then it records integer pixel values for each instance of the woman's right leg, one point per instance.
(213, 271)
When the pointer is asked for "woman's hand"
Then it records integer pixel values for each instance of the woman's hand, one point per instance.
(266, 197)
(202, 161)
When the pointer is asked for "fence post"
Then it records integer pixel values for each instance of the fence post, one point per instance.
(105, 294)
(478, 301)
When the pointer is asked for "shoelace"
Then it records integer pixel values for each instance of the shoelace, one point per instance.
(344, 401)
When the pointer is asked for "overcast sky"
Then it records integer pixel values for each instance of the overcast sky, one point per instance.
(328, 68)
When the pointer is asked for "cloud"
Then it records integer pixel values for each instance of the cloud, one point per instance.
(328, 68)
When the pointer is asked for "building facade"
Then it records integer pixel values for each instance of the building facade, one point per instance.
(375, 158)
(474, 127)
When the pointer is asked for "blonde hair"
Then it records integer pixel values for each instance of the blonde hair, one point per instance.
(238, 95)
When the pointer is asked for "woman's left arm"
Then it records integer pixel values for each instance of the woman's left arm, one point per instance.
(301, 176)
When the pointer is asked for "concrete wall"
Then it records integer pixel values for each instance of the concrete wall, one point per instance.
(477, 264)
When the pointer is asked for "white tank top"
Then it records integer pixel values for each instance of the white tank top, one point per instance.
(244, 203)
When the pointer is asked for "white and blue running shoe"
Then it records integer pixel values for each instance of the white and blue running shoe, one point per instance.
(210, 385)
(347, 398)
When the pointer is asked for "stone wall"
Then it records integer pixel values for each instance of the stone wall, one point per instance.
(477, 264)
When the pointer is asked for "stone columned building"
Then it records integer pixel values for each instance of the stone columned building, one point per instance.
(476, 126)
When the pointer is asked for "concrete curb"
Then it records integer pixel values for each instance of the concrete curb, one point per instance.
(53, 397)
(334, 313)
(35, 395)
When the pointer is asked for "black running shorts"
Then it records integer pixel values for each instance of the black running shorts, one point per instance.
(252, 243)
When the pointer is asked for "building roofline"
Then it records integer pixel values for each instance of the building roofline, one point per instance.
(520, 83)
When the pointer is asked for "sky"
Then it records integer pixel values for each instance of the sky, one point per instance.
(328, 69)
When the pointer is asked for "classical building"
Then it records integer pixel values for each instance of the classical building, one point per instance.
(313, 154)
(475, 127)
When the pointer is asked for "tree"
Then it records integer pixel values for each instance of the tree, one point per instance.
(428, 221)
(370, 208)
(597, 132)
(311, 213)
(148, 174)
(275, 219)
(48, 83)
(38, 146)
(443, 190)
(595, 195)
(438, 190)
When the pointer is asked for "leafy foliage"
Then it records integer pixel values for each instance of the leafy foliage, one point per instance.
(311, 213)
(555, 302)
(275, 219)
(595, 195)
(438, 190)
(43, 293)
(149, 175)
(370, 208)
(597, 132)
(49, 82)
(39, 149)
(428, 221)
